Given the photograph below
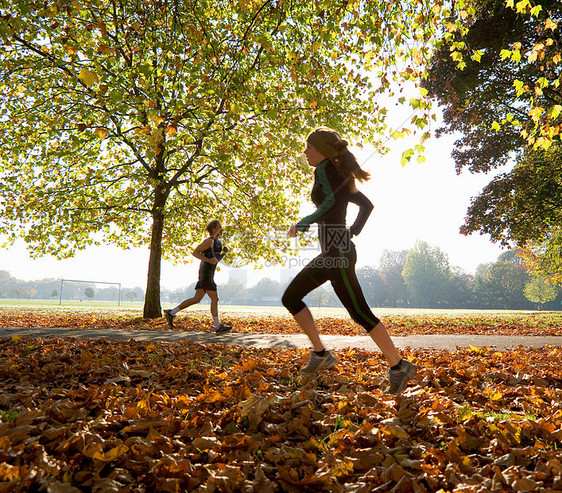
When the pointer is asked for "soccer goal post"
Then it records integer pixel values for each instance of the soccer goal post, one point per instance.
(90, 283)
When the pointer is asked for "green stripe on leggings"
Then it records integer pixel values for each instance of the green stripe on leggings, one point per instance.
(352, 294)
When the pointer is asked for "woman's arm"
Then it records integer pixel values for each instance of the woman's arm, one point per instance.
(329, 198)
(365, 208)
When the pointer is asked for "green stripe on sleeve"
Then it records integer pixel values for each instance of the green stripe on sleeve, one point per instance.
(329, 198)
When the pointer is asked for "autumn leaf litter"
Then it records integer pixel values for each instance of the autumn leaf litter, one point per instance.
(493, 323)
(143, 416)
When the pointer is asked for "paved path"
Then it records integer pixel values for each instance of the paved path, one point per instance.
(291, 341)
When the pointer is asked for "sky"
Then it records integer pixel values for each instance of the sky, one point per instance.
(425, 202)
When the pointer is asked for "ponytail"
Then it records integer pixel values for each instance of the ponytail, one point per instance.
(347, 163)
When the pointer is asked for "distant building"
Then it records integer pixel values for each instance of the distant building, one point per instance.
(238, 274)
(287, 275)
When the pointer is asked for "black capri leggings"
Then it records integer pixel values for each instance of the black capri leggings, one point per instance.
(338, 267)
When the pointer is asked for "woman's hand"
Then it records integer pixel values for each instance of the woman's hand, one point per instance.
(293, 231)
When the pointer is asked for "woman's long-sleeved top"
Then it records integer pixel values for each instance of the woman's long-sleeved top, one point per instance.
(331, 194)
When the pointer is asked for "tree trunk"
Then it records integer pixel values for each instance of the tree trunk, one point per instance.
(152, 308)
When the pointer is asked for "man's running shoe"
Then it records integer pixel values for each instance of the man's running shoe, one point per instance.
(169, 318)
(222, 329)
(316, 363)
(400, 377)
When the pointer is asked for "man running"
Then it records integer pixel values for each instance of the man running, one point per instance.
(210, 252)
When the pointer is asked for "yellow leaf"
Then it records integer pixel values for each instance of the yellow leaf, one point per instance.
(522, 6)
(142, 404)
(538, 47)
(519, 86)
(536, 113)
(395, 430)
(211, 396)
(555, 111)
(101, 132)
(8, 472)
(550, 24)
(536, 10)
(456, 56)
(15, 338)
(496, 396)
(543, 142)
(89, 78)
(112, 454)
(254, 408)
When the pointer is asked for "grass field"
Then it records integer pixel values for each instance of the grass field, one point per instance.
(128, 306)
(72, 303)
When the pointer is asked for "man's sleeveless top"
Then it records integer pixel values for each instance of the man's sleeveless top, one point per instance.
(207, 270)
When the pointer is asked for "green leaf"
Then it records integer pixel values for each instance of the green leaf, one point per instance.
(555, 111)
(536, 10)
(522, 6)
(476, 56)
(406, 156)
(89, 78)
(519, 86)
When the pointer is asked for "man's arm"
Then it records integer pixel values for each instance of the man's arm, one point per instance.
(221, 255)
(205, 245)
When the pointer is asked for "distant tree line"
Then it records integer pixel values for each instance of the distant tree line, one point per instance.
(422, 278)
(417, 278)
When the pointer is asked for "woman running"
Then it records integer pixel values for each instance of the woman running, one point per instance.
(210, 252)
(334, 187)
